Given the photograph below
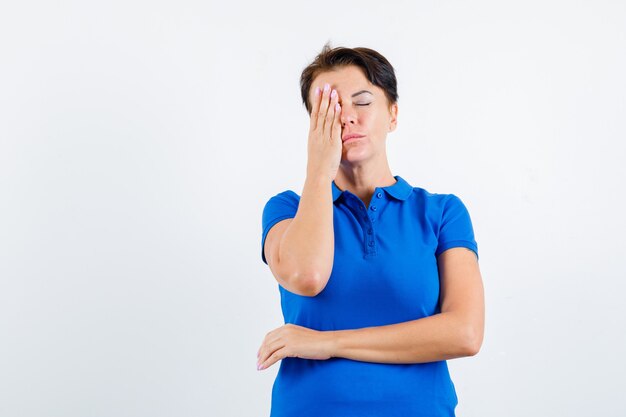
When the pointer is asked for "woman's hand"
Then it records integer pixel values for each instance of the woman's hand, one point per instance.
(295, 341)
(325, 144)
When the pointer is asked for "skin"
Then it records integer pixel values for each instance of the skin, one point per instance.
(362, 166)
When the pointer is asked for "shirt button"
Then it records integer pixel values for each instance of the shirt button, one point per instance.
(373, 208)
(371, 243)
(361, 207)
(379, 195)
(369, 231)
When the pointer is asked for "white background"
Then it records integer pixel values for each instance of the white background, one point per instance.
(139, 142)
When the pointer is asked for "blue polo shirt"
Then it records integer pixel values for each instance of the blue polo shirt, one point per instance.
(384, 272)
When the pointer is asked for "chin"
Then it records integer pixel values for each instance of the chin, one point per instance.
(355, 155)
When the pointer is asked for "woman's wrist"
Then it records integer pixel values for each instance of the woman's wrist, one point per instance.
(318, 178)
(331, 342)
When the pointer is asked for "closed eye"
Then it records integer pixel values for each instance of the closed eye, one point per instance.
(363, 104)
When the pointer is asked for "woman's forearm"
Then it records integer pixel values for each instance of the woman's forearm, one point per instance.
(307, 247)
(439, 337)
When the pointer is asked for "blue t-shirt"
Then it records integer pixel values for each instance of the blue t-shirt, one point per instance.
(384, 272)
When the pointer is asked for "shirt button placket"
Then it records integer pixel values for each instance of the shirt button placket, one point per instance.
(373, 216)
(370, 232)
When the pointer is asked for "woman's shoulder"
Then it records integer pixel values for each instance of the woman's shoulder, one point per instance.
(431, 197)
(404, 188)
(437, 206)
(286, 195)
(286, 201)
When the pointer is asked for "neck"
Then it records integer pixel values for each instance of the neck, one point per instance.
(362, 181)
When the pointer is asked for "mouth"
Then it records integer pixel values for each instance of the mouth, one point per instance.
(351, 137)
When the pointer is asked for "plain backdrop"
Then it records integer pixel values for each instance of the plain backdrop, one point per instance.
(140, 140)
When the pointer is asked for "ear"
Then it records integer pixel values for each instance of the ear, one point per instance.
(393, 114)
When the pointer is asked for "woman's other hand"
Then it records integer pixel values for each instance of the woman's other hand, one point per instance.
(295, 341)
(324, 147)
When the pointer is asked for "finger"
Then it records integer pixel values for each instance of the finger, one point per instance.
(323, 110)
(330, 115)
(315, 107)
(265, 349)
(269, 348)
(337, 123)
(265, 355)
(269, 336)
(274, 357)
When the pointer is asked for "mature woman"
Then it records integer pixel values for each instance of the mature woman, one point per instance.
(379, 280)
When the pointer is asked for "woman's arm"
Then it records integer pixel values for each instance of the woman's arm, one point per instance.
(301, 256)
(455, 332)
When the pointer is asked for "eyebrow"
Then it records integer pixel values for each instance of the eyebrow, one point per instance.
(361, 92)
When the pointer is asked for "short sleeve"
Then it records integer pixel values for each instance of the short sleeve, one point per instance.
(455, 228)
(280, 207)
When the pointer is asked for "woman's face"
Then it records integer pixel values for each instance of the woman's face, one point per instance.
(364, 110)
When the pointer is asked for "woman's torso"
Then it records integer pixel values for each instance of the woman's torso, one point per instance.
(384, 272)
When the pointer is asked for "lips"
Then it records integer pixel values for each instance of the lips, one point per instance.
(351, 136)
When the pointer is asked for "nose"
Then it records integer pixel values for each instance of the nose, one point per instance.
(347, 116)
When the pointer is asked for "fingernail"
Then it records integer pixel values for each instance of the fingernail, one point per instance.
(333, 94)
(259, 367)
(326, 87)
(317, 91)
(337, 106)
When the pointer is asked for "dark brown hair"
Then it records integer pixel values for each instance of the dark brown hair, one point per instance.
(375, 67)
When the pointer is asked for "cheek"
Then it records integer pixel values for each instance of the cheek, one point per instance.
(367, 118)
(374, 122)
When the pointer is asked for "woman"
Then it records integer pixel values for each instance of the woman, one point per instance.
(379, 280)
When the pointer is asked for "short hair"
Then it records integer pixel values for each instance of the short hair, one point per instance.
(375, 67)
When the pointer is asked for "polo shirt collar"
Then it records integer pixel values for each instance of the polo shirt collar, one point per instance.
(401, 190)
